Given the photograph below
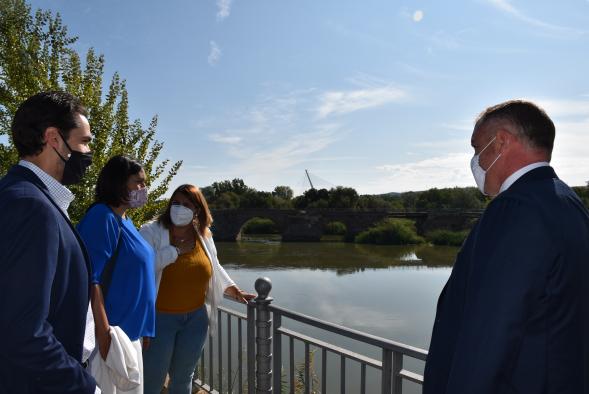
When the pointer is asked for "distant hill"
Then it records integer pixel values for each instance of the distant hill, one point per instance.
(390, 194)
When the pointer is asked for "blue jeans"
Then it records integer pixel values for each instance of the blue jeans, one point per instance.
(176, 348)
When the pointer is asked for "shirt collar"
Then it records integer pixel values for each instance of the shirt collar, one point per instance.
(521, 172)
(61, 195)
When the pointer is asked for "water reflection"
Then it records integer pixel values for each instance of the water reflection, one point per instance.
(388, 291)
(344, 258)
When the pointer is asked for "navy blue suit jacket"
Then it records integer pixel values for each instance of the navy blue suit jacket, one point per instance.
(44, 292)
(513, 317)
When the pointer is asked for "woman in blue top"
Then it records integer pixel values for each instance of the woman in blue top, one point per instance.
(130, 301)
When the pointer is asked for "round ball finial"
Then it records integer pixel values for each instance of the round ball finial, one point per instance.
(263, 287)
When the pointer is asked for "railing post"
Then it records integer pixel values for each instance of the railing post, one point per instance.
(251, 347)
(387, 369)
(277, 351)
(263, 336)
(397, 367)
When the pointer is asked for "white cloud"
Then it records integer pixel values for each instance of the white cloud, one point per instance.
(461, 125)
(418, 16)
(342, 102)
(214, 54)
(296, 149)
(224, 9)
(557, 108)
(225, 139)
(569, 157)
(272, 137)
(506, 7)
(443, 171)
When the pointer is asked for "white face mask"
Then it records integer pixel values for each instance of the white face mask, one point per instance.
(478, 172)
(138, 198)
(180, 215)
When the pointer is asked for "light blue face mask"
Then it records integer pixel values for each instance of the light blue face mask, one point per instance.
(478, 172)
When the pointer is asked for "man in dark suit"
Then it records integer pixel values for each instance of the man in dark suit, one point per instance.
(514, 315)
(44, 270)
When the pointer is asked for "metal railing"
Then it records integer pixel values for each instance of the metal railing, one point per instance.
(264, 349)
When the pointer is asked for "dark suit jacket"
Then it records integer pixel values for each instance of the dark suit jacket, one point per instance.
(513, 317)
(44, 292)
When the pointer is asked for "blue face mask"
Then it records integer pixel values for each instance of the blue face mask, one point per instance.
(477, 171)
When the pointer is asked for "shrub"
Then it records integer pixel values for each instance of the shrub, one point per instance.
(335, 228)
(447, 237)
(260, 226)
(391, 232)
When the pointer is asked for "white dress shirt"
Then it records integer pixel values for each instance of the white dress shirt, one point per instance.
(519, 173)
(60, 194)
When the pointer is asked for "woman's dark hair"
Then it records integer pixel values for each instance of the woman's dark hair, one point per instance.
(37, 113)
(193, 193)
(111, 188)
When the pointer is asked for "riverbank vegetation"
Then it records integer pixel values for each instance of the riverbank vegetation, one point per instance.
(446, 237)
(236, 194)
(391, 232)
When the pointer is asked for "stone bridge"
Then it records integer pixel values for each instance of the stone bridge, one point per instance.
(309, 225)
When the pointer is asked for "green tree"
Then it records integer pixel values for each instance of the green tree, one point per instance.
(283, 192)
(227, 200)
(343, 197)
(254, 199)
(36, 54)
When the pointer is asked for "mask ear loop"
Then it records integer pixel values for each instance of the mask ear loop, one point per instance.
(494, 161)
(486, 146)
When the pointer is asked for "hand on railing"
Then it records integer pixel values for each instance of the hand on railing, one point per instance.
(235, 293)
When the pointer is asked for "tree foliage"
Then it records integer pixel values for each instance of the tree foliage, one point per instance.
(37, 54)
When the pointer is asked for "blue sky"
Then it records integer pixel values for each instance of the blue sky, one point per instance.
(375, 95)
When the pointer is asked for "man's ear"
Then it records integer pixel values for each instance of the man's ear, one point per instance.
(51, 137)
(505, 139)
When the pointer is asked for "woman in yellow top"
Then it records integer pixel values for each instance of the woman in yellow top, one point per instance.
(190, 284)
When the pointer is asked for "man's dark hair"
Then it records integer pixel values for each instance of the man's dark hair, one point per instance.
(37, 113)
(532, 123)
(111, 188)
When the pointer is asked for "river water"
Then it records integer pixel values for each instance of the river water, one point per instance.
(388, 291)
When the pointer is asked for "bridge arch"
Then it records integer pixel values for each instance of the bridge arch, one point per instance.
(260, 225)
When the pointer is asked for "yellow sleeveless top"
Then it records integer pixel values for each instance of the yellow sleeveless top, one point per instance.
(184, 282)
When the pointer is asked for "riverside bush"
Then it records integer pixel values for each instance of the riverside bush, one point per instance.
(391, 232)
(447, 237)
(335, 228)
(260, 226)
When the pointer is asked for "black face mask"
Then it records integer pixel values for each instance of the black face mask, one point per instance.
(75, 166)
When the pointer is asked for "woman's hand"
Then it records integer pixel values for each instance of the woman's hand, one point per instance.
(103, 339)
(101, 324)
(238, 294)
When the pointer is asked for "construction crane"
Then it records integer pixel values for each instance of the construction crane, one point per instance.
(309, 178)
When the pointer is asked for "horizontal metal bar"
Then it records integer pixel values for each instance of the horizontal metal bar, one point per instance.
(231, 312)
(412, 376)
(332, 348)
(205, 387)
(411, 351)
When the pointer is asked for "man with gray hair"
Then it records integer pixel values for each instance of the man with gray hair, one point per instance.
(514, 314)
